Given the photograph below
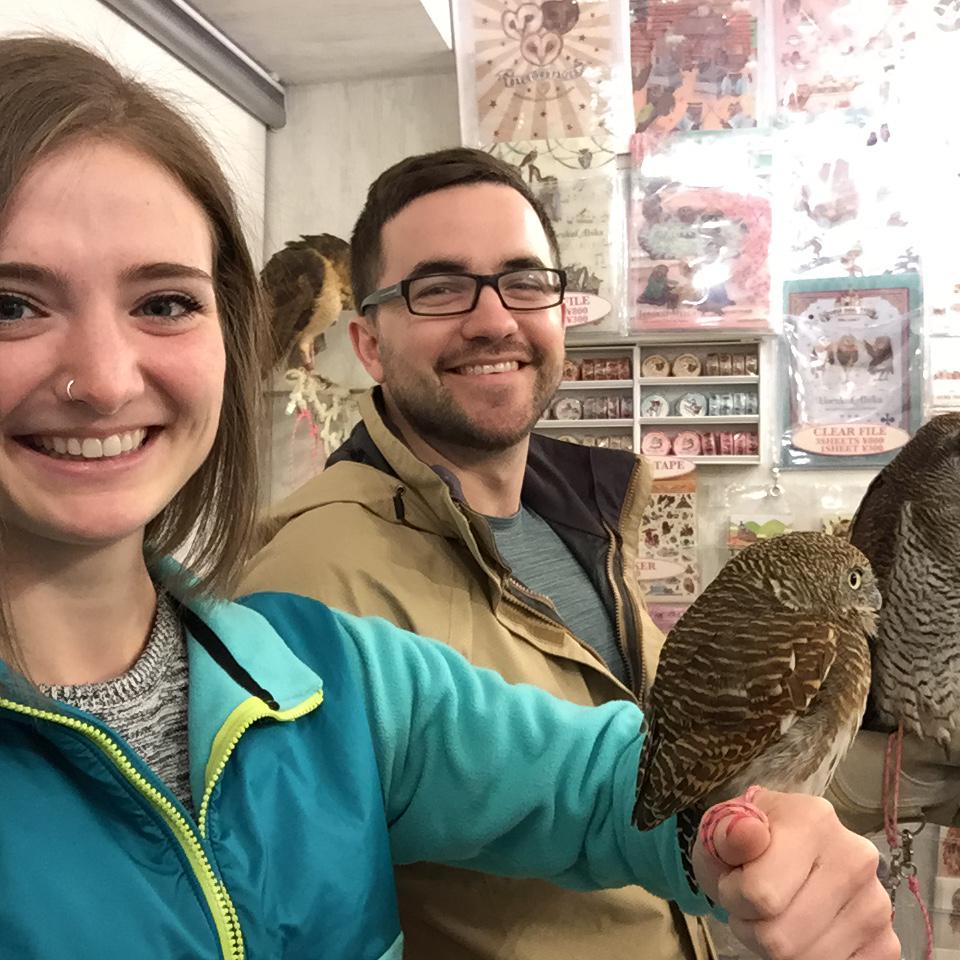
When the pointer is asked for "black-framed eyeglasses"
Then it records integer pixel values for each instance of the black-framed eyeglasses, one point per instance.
(450, 294)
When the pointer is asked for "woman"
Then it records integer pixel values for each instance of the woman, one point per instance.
(187, 777)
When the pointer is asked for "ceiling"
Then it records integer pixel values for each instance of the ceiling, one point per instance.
(312, 41)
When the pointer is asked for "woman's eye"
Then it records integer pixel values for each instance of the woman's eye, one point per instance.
(170, 306)
(14, 309)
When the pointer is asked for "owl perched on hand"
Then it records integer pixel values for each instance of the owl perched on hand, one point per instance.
(762, 681)
(307, 285)
(908, 524)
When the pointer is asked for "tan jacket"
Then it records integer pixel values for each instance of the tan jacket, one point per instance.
(391, 540)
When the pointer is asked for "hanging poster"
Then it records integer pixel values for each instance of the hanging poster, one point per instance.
(699, 234)
(669, 567)
(538, 71)
(842, 54)
(853, 370)
(580, 186)
(694, 64)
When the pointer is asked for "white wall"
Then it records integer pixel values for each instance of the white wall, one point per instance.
(339, 137)
(238, 138)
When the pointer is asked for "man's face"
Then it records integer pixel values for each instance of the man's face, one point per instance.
(479, 380)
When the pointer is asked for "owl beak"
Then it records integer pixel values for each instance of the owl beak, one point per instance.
(874, 598)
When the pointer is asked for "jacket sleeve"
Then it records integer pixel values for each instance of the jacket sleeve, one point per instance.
(929, 782)
(504, 779)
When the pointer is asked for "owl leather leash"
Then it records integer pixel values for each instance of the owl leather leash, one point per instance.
(901, 844)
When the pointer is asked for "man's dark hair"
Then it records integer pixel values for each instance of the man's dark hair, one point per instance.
(415, 177)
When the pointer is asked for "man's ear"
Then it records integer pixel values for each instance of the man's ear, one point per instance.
(366, 345)
(563, 314)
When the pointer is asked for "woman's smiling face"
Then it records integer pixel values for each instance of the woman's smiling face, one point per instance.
(106, 267)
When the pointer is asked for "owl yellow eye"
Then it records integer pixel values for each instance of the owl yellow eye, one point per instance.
(855, 579)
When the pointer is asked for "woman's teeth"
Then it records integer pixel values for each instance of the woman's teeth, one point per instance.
(503, 367)
(92, 448)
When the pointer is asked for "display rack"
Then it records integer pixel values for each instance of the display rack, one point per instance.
(720, 411)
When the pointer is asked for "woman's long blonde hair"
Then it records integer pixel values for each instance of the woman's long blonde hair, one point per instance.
(54, 92)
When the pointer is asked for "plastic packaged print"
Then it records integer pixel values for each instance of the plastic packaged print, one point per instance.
(666, 615)
(851, 202)
(853, 370)
(837, 505)
(943, 364)
(668, 566)
(554, 68)
(842, 54)
(581, 188)
(758, 513)
(694, 64)
(698, 251)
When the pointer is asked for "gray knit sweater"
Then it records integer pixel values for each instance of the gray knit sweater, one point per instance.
(148, 704)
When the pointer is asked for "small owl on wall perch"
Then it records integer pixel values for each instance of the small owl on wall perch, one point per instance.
(307, 285)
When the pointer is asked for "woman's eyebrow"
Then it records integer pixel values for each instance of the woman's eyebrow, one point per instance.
(165, 271)
(13, 270)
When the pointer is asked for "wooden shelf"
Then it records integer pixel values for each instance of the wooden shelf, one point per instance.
(696, 421)
(583, 424)
(693, 381)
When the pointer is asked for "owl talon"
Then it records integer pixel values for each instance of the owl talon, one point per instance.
(741, 808)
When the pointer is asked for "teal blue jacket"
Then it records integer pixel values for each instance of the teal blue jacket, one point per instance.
(323, 748)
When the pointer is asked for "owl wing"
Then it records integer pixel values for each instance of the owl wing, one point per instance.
(722, 695)
(920, 618)
(337, 252)
(292, 279)
(874, 525)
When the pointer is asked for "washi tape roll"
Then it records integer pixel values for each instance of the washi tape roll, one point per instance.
(687, 444)
(686, 365)
(655, 444)
(655, 366)
(692, 405)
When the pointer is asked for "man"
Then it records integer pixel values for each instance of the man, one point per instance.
(445, 515)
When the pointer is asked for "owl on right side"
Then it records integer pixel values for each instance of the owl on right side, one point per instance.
(908, 526)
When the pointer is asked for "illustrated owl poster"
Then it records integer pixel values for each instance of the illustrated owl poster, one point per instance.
(694, 64)
(853, 369)
(539, 71)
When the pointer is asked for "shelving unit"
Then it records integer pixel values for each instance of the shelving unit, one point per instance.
(596, 385)
(723, 352)
(584, 424)
(695, 421)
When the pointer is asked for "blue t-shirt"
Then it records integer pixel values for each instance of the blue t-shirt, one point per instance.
(540, 560)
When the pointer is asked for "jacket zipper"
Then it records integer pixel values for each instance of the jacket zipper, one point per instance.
(215, 892)
(243, 716)
(635, 683)
(240, 720)
(519, 588)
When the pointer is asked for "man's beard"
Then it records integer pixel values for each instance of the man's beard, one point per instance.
(437, 417)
